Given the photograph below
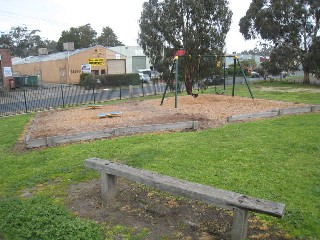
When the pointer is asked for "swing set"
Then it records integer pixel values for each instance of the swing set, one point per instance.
(196, 69)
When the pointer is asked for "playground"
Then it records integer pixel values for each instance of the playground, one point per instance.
(210, 110)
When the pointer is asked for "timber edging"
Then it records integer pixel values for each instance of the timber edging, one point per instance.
(274, 113)
(107, 133)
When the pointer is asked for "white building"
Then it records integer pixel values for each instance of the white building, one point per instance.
(135, 58)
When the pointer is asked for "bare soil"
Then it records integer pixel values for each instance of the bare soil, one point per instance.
(165, 216)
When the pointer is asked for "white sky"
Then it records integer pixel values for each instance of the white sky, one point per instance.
(52, 17)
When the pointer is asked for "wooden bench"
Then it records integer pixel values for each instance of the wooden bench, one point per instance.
(240, 204)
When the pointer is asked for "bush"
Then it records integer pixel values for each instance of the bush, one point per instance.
(115, 80)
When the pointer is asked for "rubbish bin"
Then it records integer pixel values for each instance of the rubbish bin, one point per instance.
(31, 81)
(11, 83)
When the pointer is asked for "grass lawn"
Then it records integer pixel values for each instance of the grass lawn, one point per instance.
(276, 159)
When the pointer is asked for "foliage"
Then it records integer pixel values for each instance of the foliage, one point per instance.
(282, 59)
(82, 37)
(127, 233)
(38, 218)
(24, 42)
(115, 80)
(198, 27)
(289, 24)
(314, 58)
(108, 38)
(85, 36)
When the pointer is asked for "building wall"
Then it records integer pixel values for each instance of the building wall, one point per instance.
(130, 52)
(67, 69)
(5, 62)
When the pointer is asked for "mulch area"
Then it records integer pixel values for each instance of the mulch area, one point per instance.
(209, 110)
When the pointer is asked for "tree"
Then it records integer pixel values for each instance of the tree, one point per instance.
(22, 42)
(315, 57)
(82, 37)
(199, 27)
(289, 24)
(108, 38)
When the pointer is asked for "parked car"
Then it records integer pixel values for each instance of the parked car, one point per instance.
(255, 75)
(144, 75)
(284, 74)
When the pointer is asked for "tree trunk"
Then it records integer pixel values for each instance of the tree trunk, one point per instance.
(306, 77)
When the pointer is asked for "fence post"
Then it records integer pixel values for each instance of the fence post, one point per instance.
(142, 88)
(62, 96)
(120, 93)
(25, 100)
(94, 95)
(130, 91)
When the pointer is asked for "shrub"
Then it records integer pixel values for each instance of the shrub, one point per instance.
(115, 80)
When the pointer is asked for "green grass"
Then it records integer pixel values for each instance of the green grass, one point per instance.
(275, 159)
(282, 91)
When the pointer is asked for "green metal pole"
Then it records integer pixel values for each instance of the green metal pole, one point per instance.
(245, 79)
(224, 74)
(177, 78)
(234, 74)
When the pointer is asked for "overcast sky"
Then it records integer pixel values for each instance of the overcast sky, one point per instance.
(52, 17)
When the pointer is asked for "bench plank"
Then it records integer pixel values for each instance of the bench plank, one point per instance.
(218, 197)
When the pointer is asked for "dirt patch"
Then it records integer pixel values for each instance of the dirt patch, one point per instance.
(209, 110)
(289, 89)
(165, 216)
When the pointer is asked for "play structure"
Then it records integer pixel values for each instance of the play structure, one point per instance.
(109, 114)
(202, 70)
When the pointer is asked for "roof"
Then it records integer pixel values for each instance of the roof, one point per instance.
(53, 57)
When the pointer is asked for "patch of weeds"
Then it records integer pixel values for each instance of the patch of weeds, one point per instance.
(38, 218)
(128, 233)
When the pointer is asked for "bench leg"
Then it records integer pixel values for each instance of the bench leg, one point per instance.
(240, 224)
(108, 187)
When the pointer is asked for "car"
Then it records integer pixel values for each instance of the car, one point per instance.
(144, 75)
(155, 75)
(255, 75)
(284, 74)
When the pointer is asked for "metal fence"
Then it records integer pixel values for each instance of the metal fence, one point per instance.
(59, 96)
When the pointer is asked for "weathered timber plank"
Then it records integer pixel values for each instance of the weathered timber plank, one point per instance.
(240, 224)
(295, 110)
(246, 117)
(218, 197)
(114, 132)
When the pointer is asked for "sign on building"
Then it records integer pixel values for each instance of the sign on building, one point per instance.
(7, 71)
(68, 46)
(96, 61)
(86, 68)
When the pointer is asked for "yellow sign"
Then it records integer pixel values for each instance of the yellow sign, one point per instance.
(96, 61)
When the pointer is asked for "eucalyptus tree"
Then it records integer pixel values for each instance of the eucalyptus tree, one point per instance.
(23, 42)
(82, 37)
(199, 27)
(108, 38)
(291, 25)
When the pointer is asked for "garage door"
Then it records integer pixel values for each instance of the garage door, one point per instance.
(116, 66)
(138, 62)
